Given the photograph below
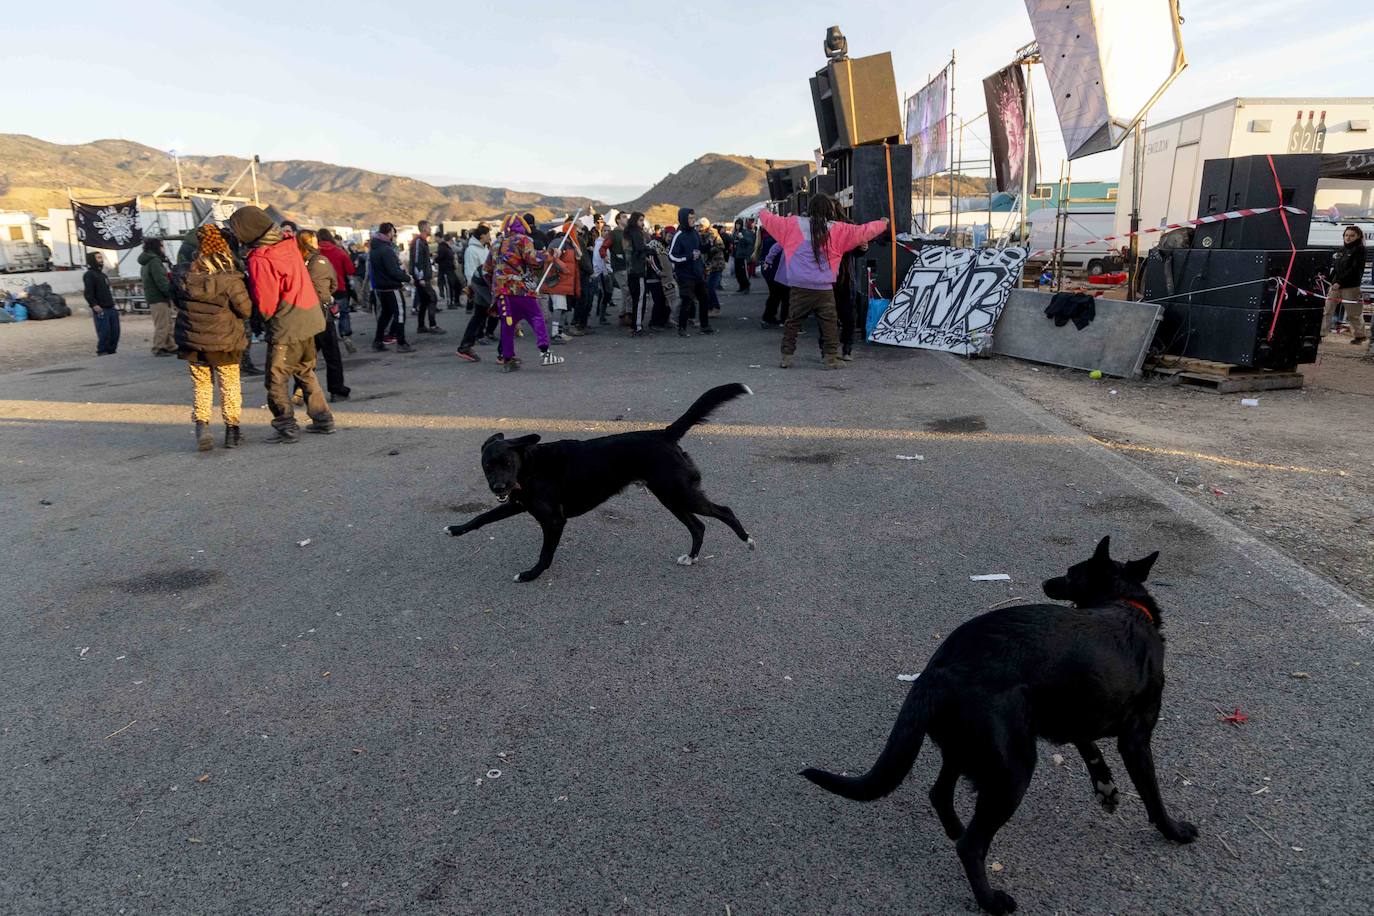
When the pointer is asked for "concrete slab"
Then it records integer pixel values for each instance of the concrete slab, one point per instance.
(1115, 342)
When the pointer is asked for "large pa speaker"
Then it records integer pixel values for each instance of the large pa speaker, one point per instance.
(856, 102)
(1219, 305)
(881, 179)
(823, 184)
(784, 182)
(1247, 182)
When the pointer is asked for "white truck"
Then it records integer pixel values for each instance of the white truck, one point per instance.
(1080, 227)
(1176, 149)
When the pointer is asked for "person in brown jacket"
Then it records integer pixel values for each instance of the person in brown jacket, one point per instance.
(326, 281)
(212, 303)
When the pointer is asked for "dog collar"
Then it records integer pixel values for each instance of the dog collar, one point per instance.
(1139, 607)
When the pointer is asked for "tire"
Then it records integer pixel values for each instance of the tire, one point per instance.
(1094, 268)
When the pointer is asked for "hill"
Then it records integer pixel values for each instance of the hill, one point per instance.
(35, 174)
(717, 186)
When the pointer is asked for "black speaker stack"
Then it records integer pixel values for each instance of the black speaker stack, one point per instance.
(868, 169)
(1248, 182)
(1220, 295)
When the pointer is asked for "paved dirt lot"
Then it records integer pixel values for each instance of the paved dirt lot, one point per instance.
(198, 714)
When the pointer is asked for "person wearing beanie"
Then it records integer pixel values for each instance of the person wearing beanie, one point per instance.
(508, 272)
(285, 296)
(713, 251)
(212, 303)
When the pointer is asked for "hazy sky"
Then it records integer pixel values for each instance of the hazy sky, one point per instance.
(553, 95)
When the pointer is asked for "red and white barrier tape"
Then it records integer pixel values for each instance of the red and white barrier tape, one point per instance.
(1200, 221)
(1323, 294)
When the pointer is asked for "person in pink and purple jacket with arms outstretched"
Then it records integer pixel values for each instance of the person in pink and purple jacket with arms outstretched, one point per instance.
(812, 248)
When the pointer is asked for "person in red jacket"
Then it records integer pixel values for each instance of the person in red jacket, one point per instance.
(285, 296)
(343, 268)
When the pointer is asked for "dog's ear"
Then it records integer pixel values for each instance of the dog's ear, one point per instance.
(1103, 551)
(492, 438)
(525, 441)
(1138, 570)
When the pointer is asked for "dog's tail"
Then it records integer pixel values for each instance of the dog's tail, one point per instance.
(703, 408)
(893, 763)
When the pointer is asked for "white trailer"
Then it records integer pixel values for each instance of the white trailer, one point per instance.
(1176, 149)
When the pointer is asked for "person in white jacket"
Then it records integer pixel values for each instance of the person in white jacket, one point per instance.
(479, 294)
(475, 254)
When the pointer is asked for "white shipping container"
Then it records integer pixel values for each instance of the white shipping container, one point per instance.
(1176, 149)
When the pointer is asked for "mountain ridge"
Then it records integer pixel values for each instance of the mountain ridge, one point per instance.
(35, 174)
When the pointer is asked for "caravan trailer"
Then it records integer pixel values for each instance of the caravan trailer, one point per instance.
(1176, 149)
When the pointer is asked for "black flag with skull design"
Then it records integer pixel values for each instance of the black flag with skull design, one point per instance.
(113, 225)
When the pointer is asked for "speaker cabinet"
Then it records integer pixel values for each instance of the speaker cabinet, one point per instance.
(823, 184)
(785, 182)
(856, 103)
(1247, 182)
(869, 176)
(1203, 320)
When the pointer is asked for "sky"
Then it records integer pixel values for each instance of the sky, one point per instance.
(560, 97)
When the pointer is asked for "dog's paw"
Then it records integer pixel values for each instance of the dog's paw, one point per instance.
(751, 543)
(528, 575)
(1181, 832)
(686, 560)
(1107, 795)
(454, 531)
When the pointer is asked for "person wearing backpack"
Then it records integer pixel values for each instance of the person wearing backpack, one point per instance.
(479, 293)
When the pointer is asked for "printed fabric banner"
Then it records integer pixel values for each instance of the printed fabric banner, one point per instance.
(1005, 92)
(113, 226)
(927, 127)
(951, 299)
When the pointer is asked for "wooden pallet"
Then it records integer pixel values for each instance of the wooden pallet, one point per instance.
(1224, 378)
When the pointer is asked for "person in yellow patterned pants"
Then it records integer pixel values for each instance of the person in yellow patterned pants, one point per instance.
(212, 301)
(206, 379)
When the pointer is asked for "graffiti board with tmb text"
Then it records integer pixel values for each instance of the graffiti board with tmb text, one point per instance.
(950, 300)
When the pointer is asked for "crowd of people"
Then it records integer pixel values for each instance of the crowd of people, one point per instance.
(297, 288)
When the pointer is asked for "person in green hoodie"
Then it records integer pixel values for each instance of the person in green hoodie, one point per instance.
(157, 292)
